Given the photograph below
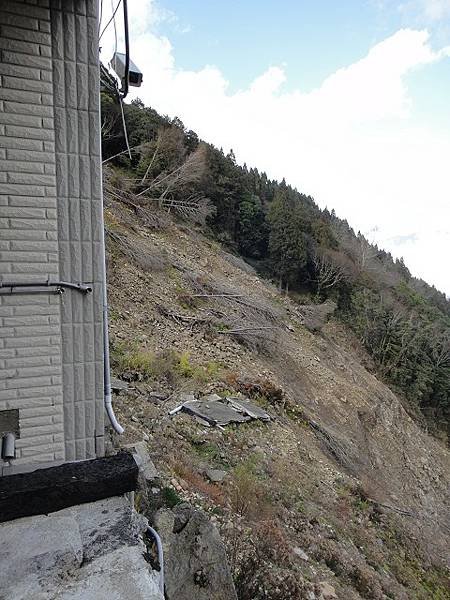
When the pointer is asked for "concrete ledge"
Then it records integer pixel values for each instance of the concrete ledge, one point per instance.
(48, 490)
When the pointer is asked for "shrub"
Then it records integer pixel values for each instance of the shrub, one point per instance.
(170, 497)
(248, 495)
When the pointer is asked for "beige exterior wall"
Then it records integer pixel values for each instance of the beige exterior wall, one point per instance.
(51, 364)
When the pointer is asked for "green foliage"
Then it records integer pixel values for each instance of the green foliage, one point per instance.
(169, 364)
(252, 227)
(410, 346)
(287, 244)
(170, 497)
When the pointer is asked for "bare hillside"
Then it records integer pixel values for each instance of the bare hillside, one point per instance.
(341, 492)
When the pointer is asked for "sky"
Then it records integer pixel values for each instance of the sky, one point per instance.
(348, 101)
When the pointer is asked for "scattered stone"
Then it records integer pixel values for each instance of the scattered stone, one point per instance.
(157, 396)
(326, 591)
(299, 552)
(117, 385)
(215, 475)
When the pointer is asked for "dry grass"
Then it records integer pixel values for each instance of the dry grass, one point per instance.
(197, 483)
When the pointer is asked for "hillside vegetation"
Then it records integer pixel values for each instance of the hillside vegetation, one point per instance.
(223, 282)
(402, 322)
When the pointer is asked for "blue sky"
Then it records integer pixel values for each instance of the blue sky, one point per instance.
(312, 39)
(346, 100)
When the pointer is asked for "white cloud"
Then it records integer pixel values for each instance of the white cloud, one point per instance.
(353, 143)
(431, 10)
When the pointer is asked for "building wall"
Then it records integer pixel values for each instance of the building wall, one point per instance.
(51, 366)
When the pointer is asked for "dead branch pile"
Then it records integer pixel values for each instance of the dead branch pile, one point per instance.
(253, 322)
(147, 212)
(172, 190)
(148, 260)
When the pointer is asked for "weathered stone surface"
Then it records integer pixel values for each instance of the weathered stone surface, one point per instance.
(301, 553)
(327, 591)
(91, 551)
(122, 575)
(314, 316)
(37, 549)
(215, 475)
(117, 385)
(195, 560)
(106, 525)
(146, 467)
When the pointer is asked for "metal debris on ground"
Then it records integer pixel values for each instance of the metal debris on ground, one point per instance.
(213, 410)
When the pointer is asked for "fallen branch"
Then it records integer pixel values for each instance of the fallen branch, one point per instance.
(242, 329)
(394, 508)
(178, 318)
(133, 149)
(217, 295)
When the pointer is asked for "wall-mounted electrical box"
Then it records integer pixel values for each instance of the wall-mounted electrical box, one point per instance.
(118, 65)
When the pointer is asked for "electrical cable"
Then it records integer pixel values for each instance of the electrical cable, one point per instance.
(115, 27)
(159, 548)
(126, 76)
(124, 127)
(108, 23)
(100, 17)
(124, 91)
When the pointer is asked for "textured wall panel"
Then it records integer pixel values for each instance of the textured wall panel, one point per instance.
(30, 328)
(51, 362)
(78, 165)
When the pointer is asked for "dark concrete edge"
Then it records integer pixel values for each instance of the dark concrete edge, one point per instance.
(48, 490)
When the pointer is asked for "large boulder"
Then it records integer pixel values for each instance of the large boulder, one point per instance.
(194, 555)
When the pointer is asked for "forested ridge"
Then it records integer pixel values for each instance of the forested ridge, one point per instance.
(310, 253)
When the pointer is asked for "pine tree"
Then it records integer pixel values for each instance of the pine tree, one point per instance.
(287, 243)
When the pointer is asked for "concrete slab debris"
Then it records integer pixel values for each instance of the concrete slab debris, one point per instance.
(246, 407)
(213, 410)
(117, 385)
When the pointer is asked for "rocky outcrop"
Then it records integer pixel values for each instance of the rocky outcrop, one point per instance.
(195, 560)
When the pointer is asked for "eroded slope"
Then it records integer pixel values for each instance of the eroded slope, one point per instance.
(341, 487)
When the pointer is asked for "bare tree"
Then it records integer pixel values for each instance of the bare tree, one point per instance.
(177, 179)
(365, 254)
(195, 207)
(328, 273)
